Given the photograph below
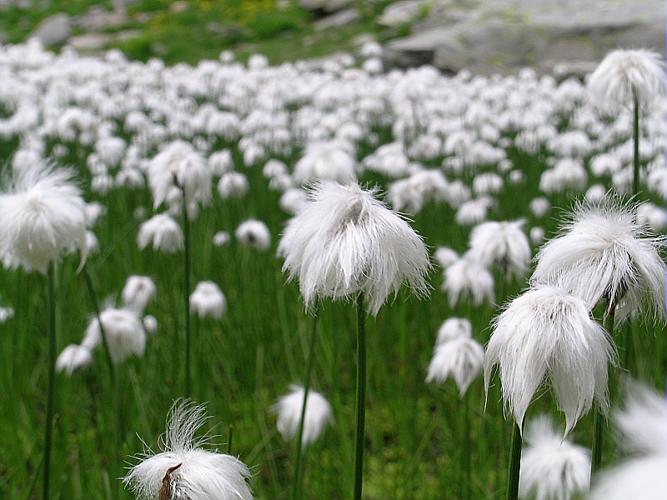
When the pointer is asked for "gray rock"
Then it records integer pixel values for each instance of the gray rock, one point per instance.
(341, 18)
(327, 6)
(97, 19)
(54, 30)
(503, 35)
(403, 12)
(89, 41)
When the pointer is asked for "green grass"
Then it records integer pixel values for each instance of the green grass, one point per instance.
(207, 27)
(244, 362)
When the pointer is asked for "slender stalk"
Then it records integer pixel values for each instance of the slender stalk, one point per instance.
(467, 451)
(51, 370)
(96, 307)
(515, 464)
(229, 440)
(298, 469)
(116, 437)
(635, 138)
(115, 383)
(361, 397)
(186, 295)
(599, 423)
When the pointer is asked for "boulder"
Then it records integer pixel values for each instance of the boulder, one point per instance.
(98, 19)
(53, 30)
(325, 6)
(504, 35)
(341, 18)
(401, 13)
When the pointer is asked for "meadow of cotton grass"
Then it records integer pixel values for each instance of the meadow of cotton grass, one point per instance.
(250, 229)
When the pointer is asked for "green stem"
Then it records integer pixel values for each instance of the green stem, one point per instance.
(515, 464)
(467, 451)
(116, 436)
(296, 487)
(96, 307)
(114, 382)
(635, 137)
(361, 396)
(229, 440)
(598, 418)
(48, 429)
(186, 295)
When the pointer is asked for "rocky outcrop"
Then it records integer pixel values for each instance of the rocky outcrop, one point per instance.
(54, 30)
(503, 35)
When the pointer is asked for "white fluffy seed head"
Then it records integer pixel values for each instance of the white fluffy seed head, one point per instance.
(544, 335)
(624, 74)
(454, 328)
(460, 358)
(42, 215)
(552, 468)
(445, 257)
(643, 431)
(346, 242)
(138, 292)
(124, 333)
(72, 358)
(503, 244)
(179, 165)
(325, 161)
(182, 470)
(208, 301)
(318, 414)
(162, 233)
(467, 276)
(602, 254)
(255, 234)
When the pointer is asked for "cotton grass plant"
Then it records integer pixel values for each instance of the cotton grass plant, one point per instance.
(42, 215)
(345, 244)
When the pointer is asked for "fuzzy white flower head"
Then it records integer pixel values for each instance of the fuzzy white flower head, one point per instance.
(221, 238)
(503, 244)
(473, 211)
(42, 215)
(625, 74)
(652, 216)
(552, 468)
(6, 313)
(460, 358)
(124, 333)
(468, 276)
(162, 233)
(220, 162)
(207, 300)
(539, 207)
(596, 193)
(255, 234)
(92, 243)
(536, 235)
(150, 324)
(603, 254)
(138, 292)
(547, 333)
(347, 242)
(182, 469)
(445, 257)
(293, 200)
(318, 414)
(454, 328)
(94, 211)
(325, 161)
(72, 358)
(643, 428)
(233, 185)
(179, 165)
